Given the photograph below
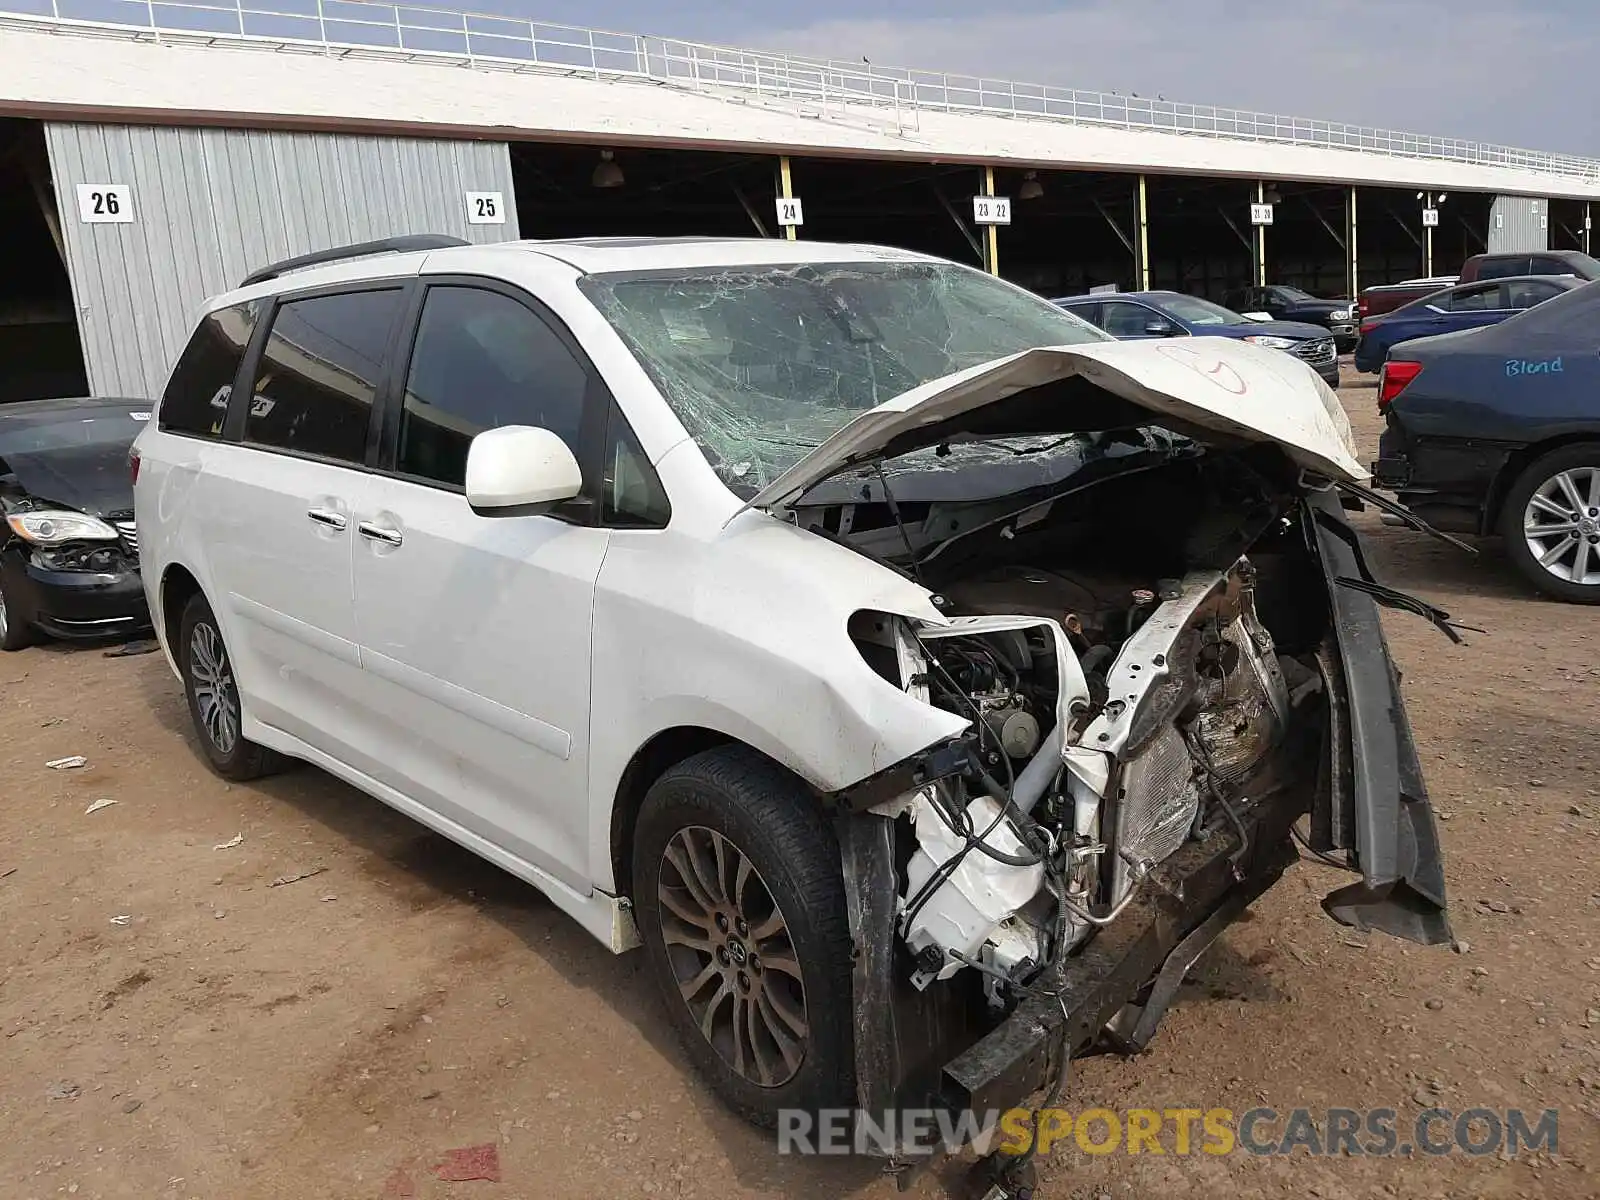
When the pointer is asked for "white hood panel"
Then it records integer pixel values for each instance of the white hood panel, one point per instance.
(1233, 388)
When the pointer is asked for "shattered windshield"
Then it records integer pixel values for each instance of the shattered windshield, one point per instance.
(763, 363)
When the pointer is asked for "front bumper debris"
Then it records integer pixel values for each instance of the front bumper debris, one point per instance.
(1186, 902)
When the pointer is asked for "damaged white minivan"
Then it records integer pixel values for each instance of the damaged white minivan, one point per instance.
(922, 677)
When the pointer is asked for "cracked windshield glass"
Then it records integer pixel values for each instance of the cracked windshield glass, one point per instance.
(763, 363)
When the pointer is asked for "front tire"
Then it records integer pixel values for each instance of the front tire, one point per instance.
(15, 633)
(740, 903)
(213, 692)
(1551, 523)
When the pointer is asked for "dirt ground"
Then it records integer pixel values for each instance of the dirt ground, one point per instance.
(177, 1026)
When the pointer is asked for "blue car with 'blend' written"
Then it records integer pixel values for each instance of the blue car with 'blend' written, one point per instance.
(1465, 306)
(1129, 316)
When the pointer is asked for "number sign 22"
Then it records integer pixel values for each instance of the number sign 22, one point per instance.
(486, 208)
(105, 203)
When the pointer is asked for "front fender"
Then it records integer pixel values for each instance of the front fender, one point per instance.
(749, 638)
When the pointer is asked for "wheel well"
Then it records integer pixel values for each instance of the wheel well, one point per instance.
(657, 756)
(177, 587)
(1516, 463)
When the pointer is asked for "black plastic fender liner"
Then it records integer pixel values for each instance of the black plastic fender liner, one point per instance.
(1071, 1004)
(1378, 807)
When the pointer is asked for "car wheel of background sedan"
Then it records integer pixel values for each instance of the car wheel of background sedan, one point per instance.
(740, 902)
(1551, 523)
(15, 633)
(213, 693)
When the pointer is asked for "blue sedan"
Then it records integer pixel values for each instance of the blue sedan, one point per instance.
(1137, 315)
(1465, 306)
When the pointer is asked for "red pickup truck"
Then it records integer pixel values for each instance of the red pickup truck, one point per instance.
(1376, 301)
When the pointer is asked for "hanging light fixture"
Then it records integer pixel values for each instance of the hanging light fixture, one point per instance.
(607, 174)
(1031, 188)
(1274, 196)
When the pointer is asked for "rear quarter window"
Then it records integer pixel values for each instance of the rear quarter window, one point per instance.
(1503, 268)
(196, 398)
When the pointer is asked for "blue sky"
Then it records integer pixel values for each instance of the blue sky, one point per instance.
(1516, 71)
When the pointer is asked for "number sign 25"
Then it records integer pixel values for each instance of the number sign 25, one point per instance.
(486, 208)
(105, 203)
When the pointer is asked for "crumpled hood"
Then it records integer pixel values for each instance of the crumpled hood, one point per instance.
(1232, 388)
(91, 479)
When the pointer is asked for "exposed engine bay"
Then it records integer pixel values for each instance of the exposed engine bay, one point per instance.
(1125, 696)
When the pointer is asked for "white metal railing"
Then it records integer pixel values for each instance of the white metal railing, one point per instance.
(892, 96)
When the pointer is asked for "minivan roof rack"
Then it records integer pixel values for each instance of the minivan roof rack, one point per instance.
(391, 245)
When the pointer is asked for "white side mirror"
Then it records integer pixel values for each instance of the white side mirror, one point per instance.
(520, 469)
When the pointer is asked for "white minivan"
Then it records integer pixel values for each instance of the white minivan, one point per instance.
(922, 677)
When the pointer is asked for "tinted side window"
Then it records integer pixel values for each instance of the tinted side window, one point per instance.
(1477, 299)
(482, 360)
(1127, 320)
(1551, 266)
(196, 399)
(632, 495)
(1503, 268)
(1525, 293)
(318, 373)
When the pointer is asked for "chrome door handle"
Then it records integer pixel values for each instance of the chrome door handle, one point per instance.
(326, 516)
(380, 533)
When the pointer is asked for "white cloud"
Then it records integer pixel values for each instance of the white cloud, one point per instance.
(1479, 69)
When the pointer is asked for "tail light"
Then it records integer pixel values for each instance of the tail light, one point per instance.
(133, 465)
(1363, 307)
(1368, 326)
(1394, 379)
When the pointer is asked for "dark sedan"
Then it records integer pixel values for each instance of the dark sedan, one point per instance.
(1498, 431)
(69, 552)
(1133, 315)
(1284, 303)
(1465, 306)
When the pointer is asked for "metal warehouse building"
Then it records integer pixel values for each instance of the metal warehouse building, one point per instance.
(150, 160)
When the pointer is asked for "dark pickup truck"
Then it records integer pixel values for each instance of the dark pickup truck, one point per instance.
(1284, 303)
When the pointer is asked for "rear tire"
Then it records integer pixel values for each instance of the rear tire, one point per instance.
(15, 633)
(213, 692)
(1551, 523)
(740, 902)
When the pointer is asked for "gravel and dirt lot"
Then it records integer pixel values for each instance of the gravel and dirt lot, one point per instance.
(180, 1022)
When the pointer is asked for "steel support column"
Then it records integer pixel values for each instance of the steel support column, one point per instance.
(1355, 258)
(1144, 236)
(991, 233)
(1261, 239)
(786, 179)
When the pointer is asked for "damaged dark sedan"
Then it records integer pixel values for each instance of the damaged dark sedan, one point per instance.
(69, 551)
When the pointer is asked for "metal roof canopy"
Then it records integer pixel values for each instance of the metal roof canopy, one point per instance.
(359, 65)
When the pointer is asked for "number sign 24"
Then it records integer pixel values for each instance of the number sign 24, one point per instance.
(105, 203)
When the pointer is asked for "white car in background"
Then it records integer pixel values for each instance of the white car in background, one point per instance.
(923, 677)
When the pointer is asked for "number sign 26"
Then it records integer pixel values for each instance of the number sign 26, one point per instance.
(486, 208)
(105, 203)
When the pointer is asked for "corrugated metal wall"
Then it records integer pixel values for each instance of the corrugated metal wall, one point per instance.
(211, 205)
(1517, 223)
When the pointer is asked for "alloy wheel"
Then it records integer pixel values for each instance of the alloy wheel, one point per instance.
(732, 956)
(1562, 525)
(215, 696)
(5, 621)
